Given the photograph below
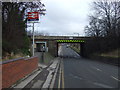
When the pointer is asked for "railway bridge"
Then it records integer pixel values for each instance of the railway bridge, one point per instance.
(51, 43)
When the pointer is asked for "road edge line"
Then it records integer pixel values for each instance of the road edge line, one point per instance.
(59, 76)
(63, 84)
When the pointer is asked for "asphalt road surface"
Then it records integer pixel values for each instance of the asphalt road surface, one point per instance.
(82, 73)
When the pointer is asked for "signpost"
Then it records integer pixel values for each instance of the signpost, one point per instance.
(33, 17)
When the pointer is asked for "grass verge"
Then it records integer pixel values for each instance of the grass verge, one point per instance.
(111, 57)
(112, 54)
(13, 56)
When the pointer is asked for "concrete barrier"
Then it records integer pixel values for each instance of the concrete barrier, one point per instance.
(15, 69)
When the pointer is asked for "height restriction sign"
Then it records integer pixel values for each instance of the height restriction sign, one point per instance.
(33, 16)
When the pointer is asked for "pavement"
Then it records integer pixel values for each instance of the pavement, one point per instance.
(43, 77)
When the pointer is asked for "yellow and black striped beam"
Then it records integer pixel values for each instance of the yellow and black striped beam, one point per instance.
(70, 41)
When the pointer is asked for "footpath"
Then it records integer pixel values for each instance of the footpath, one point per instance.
(43, 77)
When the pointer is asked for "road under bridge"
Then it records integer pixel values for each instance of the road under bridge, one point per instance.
(51, 43)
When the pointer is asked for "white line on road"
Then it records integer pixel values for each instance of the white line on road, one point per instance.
(115, 78)
(102, 85)
(75, 77)
(97, 69)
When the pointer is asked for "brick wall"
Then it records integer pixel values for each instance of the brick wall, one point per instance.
(15, 70)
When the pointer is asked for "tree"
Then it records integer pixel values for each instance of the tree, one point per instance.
(95, 27)
(107, 18)
(104, 27)
(14, 23)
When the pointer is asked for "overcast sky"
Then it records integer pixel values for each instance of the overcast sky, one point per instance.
(64, 17)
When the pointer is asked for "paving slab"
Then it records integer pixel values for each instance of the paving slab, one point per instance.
(52, 70)
(24, 82)
(41, 78)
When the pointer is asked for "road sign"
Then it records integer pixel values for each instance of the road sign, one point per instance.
(33, 16)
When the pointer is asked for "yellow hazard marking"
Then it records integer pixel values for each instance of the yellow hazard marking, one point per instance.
(70, 41)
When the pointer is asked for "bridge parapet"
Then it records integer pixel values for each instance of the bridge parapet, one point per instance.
(60, 37)
(51, 37)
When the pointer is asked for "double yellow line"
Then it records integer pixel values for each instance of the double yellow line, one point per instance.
(59, 80)
(61, 76)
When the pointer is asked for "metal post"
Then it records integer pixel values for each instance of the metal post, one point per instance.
(33, 39)
(42, 57)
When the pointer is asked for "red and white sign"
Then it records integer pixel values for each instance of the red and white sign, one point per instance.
(33, 16)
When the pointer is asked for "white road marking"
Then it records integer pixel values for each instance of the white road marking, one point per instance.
(115, 78)
(97, 69)
(95, 83)
(77, 77)
(102, 85)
